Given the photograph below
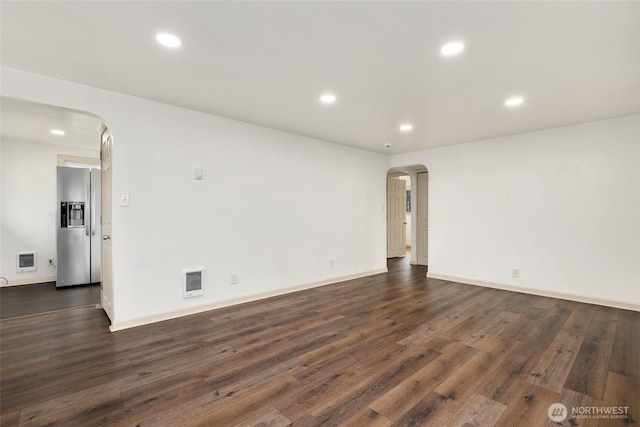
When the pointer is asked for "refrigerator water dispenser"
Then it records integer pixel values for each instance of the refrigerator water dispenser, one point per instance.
(72, 214)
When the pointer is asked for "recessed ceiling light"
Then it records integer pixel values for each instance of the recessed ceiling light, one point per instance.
(328, 98)
(514, 102)
(452, 48)
(168, 40)
(406, 127)
(57, 132)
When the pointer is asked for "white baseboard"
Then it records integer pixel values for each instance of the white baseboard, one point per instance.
(28, 281)
(540, 292)
(172, 314)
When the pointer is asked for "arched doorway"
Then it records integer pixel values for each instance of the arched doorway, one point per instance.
(39, 138)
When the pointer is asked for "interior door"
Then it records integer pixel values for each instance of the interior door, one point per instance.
(396, 217)
(94, 223)
(107, 278)
(423, 218)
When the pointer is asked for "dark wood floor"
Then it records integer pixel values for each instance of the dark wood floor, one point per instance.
(391, 349)
(26, 300)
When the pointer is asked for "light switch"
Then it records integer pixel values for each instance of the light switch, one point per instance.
(198, 173)
(124, 199)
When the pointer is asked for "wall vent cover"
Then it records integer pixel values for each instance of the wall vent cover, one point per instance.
(26, 261)
(192, 283)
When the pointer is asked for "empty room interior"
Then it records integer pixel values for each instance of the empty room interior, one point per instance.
(319, 213)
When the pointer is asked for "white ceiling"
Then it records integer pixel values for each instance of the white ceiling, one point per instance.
(268, 62)
(29, 121)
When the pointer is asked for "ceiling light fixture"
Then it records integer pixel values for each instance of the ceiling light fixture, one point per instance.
(328, 98)
(57, 132)
(406, 127)
(514, 102)
(452, 48)
(168, 40)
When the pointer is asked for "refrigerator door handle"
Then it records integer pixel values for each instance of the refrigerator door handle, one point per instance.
(93, 208)
(88, 199)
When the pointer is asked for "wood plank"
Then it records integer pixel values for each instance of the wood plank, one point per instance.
(222, 408)
(10, 419)
(369, 418)
(269, 417)
(409, 392)
(462, 383)
(530, 407)
(151, 398)
(431, 410)
(366, 384)
(477, 411)
(496, 345)
(626, 346)
(344, 385)
(456, 313)
(622, 391)
(573, 401)
(578, 322)
(307, 421)
(553, 368)
(588, 375)
(504, 380)
(496, 324)
(520, 329)
(94, 406)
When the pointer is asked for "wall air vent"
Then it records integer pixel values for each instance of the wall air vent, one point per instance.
(26, 261)
(192, 283)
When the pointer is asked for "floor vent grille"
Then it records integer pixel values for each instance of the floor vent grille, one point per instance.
(192, 283)
(26, 261)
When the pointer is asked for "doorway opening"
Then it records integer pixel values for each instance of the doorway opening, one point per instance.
(40, 138)
(407, 214)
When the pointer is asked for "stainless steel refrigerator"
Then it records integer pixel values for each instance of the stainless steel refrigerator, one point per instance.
(78, 227)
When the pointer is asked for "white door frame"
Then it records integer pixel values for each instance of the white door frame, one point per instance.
(422, 218)
(412, 171)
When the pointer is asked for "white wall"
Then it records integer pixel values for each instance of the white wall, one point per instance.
(28, 205)
(273, 207)
(562, 205)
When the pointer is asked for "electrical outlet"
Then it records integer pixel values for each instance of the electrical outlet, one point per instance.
(234, 278)
(515, 273)
(331, 263)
